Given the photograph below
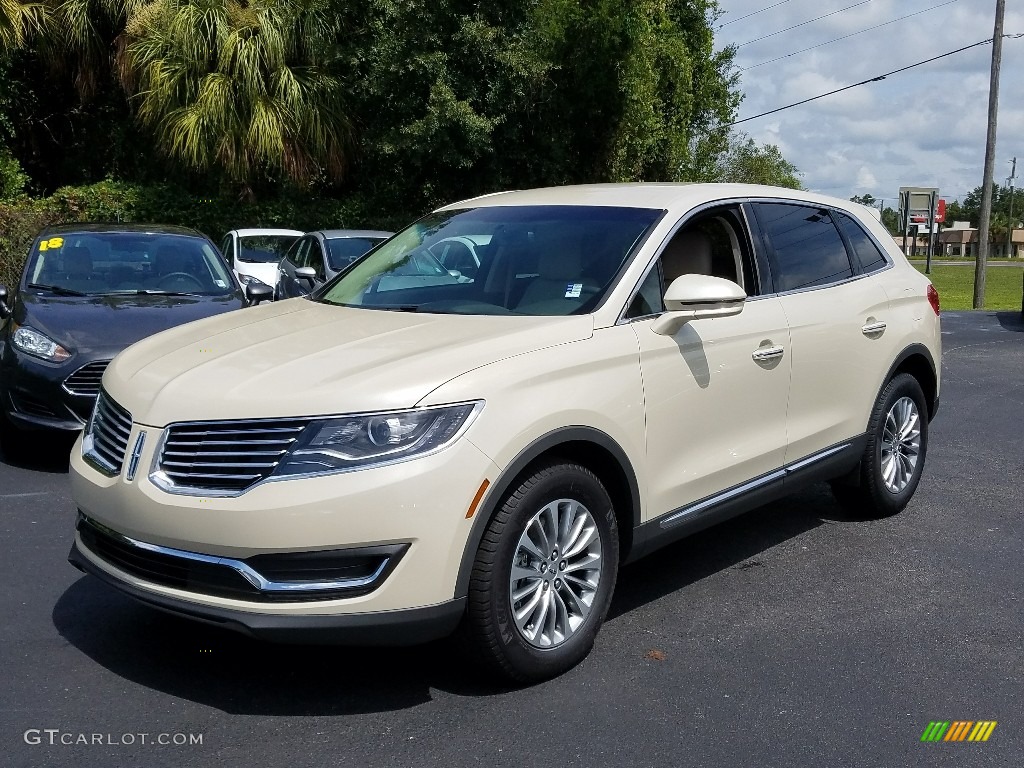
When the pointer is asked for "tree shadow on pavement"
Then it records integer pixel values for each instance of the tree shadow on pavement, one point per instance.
(237, 674)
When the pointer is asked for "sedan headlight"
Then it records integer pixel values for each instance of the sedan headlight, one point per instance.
(32, 342)
(356, 442)
(245, 279)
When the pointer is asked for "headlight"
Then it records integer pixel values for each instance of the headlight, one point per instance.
(355, 442)
(245, 279)
(32, 342)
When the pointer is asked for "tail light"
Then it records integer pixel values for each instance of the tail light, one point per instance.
(933, 298)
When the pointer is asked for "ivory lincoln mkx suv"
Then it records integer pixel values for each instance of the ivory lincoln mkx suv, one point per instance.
(409, 451)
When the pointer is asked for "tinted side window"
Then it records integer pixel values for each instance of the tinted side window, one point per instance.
(297, 256)
(808, 250)
(316, 258)
(864, 248)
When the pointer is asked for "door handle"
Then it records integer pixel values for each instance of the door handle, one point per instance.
(767, 353)
(873, 328)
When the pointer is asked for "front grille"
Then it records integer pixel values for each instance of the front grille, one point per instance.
(226, 456)
(279, 577)
(86, 380)
(107, 438)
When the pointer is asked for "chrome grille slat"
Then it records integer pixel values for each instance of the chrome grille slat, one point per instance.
(110, 428)
(227, 456)
(86, 380)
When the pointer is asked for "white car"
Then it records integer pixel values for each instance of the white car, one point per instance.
(256, 253)
(410, 451)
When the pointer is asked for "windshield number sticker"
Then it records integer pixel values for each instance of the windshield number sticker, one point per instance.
(573, 290)
(53, 242)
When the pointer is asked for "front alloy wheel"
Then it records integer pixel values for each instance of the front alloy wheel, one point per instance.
(556, 573)
(544, 574)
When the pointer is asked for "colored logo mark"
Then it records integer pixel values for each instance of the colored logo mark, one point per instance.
(959, 730)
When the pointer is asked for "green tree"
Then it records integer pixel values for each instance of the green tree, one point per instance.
(245, 87)
(19, 21)
(746, 162)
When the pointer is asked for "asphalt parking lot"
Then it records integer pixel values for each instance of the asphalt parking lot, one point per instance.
(793, 636)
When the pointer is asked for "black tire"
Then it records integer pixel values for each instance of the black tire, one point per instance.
(869, 496)
(490, 626)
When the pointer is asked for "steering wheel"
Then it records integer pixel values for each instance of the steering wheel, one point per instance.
(177, 276)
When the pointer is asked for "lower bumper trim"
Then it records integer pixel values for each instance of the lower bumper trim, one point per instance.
(389, 628)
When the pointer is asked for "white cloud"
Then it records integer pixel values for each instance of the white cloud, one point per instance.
(925, 126)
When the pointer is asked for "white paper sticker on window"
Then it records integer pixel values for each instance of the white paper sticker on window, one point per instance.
(221, 284)
(573, 290)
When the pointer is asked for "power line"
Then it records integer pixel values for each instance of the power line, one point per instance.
(802, 23)
(844, 37)
(761, 10)
(862, 82)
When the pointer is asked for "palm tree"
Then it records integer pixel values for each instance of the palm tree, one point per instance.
(244, 86)
(18, 22)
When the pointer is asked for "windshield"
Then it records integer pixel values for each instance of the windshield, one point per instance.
(528, 260)
(342, 251)
(94, 263)
(264, 249)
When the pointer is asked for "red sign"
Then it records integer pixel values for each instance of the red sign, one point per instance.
(921, 217)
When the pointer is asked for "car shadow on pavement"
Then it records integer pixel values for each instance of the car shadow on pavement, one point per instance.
(51, 455)
(1011, 321)
(240, 675)
(732, 544)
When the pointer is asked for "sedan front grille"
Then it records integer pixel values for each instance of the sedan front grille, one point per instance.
(226, 456)
(106, 441)
(86, 380)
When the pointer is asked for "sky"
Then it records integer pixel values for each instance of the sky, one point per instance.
(924, 127)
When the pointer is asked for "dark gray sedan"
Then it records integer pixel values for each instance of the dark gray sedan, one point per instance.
(316, 257)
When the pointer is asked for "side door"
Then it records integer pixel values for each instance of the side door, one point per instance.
(716, 392)
(837, 318)
(288, 286)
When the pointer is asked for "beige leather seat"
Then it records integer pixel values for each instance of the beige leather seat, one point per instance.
(688, 253)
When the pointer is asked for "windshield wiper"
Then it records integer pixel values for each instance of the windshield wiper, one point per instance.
(148, 292)
(59, 290)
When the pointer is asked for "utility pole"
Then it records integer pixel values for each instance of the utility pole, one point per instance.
(1009, 183)
(990, 157)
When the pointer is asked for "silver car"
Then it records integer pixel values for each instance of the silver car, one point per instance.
(316, 257)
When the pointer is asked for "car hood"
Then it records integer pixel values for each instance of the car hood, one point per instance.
(91, 323)
(302, 358)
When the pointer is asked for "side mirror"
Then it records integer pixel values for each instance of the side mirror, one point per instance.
(696, 297)
(306, 273)
(255, 292)
(5, 311)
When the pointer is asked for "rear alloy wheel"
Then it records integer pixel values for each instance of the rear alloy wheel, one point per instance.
(544, 574)
(893, 459)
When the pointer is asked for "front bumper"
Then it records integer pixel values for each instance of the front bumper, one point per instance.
(398, 627)
(33, 395)
(418, 505)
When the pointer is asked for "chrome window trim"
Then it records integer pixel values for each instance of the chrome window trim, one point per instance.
(243, 569)
(158, 478)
